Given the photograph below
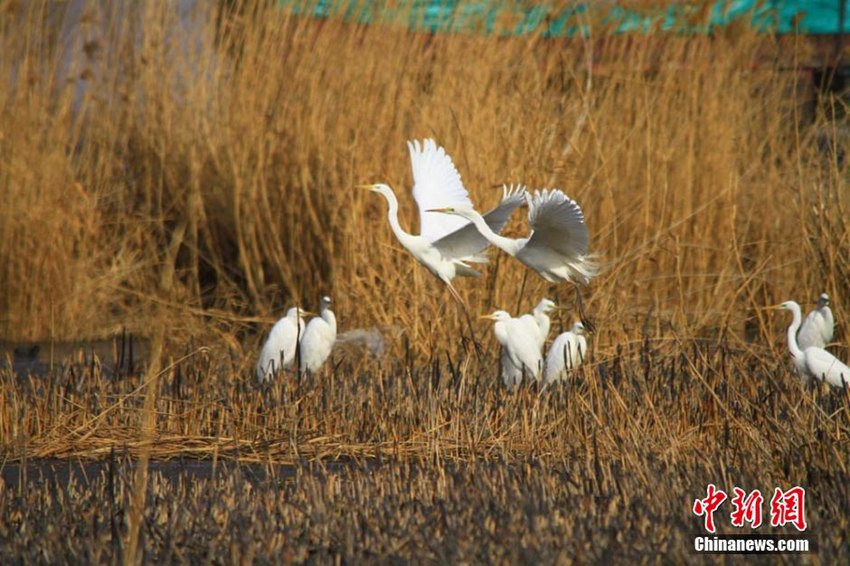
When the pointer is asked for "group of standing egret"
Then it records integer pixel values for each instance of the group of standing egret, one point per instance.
(453, 238)
(291, 338)
(523, 340)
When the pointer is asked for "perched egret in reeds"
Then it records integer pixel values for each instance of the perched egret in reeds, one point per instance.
(817, 330)
(538, 321)
(319, 338)
(813, 361)
(520, 346)
(556, 248)
(568, 351)
(279, 350)
(446, 246)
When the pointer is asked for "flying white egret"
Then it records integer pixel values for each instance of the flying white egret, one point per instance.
(520, 345)
(446, 246)
(813, 361)
(817, 329)
(279, 350)
(538, 321)
(557, 248)
(319, 337)
(568, 351)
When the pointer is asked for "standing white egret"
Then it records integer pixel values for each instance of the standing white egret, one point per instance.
(520, 345)
(279, 350)
(817, 329)
(446, 246)
(319, 337)
(557, 248)
(568, 351)
(538, 321)
(813, 361)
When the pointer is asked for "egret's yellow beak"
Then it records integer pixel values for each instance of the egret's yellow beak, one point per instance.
(447, 209)
(302, 312)
(488, 316)
(370, 187)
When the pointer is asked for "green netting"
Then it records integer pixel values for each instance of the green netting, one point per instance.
(584, 19)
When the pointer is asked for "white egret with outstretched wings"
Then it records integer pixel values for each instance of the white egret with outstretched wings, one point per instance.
(446, 245)
(556, 248)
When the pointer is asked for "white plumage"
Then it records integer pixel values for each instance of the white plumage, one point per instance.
(446, 245)
(520, 348)
(319, 338)
(436, 182)
(568, 351)
(817, 330)
(538, 321)
(279, 350)
(556, 248)
(814, 362)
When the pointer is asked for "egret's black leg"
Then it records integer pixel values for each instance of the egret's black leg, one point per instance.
(588, 324)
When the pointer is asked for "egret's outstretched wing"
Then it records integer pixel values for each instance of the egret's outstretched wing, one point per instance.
(436, 184)
(557, 247)
(467, 242)
(557, 223)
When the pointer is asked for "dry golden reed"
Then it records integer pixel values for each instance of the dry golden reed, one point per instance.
(127, 152)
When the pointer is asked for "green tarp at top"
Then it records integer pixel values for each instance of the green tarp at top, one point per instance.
(584, 18)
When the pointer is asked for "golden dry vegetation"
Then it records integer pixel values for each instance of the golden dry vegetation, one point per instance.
(191, 190)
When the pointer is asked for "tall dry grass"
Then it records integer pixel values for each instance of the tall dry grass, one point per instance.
(128, 152)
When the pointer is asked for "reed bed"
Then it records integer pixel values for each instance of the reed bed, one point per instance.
(451, 465)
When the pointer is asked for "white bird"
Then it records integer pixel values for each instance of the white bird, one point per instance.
(538, 321)
(813, 361)
(817, 329)
(556, 248)
(319, 338)
(519, 345)
(279, 350)
(446, 246)
(568, 351)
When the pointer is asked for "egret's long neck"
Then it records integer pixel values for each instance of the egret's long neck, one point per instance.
(392, 215)
(792, 332)
(329, 317)
(507, 245)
